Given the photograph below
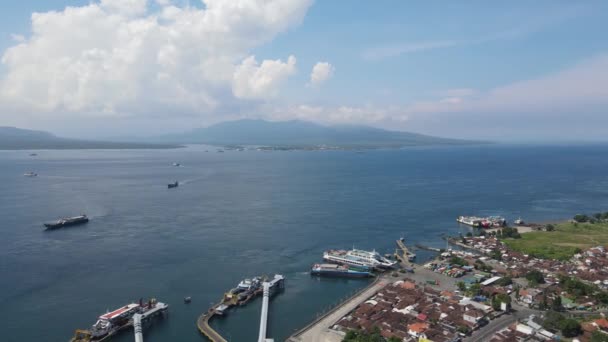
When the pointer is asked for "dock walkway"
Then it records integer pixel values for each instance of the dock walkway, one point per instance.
(203, 326)
(318, 329)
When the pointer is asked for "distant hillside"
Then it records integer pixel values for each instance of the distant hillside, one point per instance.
(300, 133)
(12, 138)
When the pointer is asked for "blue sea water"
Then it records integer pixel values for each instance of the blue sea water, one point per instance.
(240, 214)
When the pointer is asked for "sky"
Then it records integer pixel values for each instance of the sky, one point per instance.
(504, 71)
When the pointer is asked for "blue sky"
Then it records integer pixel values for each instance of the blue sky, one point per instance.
(516, 70)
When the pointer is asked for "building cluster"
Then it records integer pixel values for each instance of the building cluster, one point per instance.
(590, 265)
(529, 329)
(411, 312)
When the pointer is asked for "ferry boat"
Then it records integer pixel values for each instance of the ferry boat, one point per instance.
(173, 185)
(111, 323)
(482, 222)
(68, 221)
(333, 270)
(473, 221)
(358, 258)
(30, 174)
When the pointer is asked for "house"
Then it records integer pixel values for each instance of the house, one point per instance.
(472, 315)
(417, 329)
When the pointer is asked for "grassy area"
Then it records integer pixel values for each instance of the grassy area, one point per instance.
(562, 243)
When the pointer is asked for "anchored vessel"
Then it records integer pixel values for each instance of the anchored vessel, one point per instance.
(68, 221)
(358, 258)
(483, 222)
(333, 270)
(110, 323)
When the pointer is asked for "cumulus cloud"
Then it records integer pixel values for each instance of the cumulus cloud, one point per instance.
(321, 72)
(258, 81)
(122, 58)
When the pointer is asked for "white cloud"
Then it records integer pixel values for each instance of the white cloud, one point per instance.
(259, 81)
(126, 7)
(118, 58)
(321, 72)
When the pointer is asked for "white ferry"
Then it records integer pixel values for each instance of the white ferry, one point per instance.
(359, 258)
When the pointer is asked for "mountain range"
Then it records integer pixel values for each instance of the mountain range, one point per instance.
(12, 138)
(291, 134)
(302, 134)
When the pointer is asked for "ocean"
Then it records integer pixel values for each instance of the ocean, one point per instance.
(240, 214)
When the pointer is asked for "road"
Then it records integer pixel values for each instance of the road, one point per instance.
(485, 333)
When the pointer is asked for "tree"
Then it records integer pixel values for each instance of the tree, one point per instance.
(570, 327)
(394, 339)
(461, 286)
(549, 227)
(581, 218)
(602, 297)
(553, 320)
(475, 289)
(504, 281)
(499, 299)
(535, 277)
(597, 336)
(463, 329)
(556, 305)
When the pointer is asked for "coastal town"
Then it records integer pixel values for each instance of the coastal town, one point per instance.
(479, 289)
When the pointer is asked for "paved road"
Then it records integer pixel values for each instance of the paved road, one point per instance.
(485, 333)
(319, 331)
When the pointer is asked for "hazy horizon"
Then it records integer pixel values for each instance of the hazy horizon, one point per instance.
(106, 69)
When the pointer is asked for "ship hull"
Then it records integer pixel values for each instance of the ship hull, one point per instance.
(341, 274)
(52, 226)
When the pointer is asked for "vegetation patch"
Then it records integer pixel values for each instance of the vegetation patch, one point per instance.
(566, 240)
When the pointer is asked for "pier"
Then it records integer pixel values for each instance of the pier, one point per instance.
(403, 253)
(229, 300)
(269, 288)
(158, 309)
(203, 325)
(264, 314)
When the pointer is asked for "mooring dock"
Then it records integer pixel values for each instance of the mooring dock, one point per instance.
(403, 253)
(139, 318)
(268, 289)
(204, 327)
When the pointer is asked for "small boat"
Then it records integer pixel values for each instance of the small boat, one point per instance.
(173, 185)
(519, 221)
(30, 174)
(187, 300)
(33, 154)
(177, 164)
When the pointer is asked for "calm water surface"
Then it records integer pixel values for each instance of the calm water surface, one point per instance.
(239, 214)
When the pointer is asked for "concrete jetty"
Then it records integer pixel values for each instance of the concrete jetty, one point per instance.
(318, 330)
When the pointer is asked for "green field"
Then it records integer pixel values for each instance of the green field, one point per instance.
(563, 243)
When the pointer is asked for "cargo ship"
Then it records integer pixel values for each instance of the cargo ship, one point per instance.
(68, 221)
(110, 323)
(358, 258)
(333, 270)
